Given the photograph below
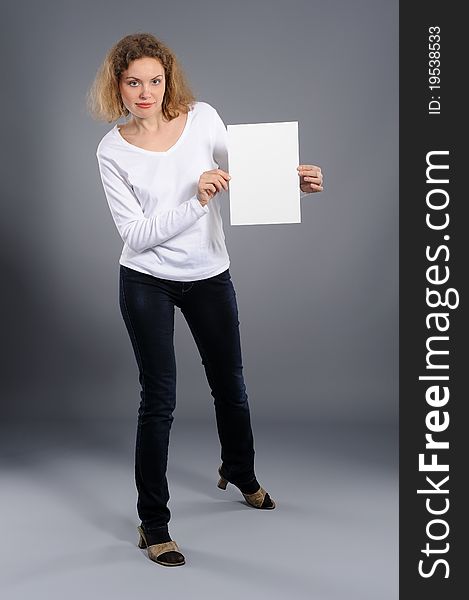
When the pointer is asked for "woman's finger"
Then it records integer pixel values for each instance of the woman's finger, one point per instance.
(212, 180)
(223, 183)
(220, 182)
(309, 167)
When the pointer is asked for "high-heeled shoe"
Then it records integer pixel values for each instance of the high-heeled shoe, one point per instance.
(166, 553)
(259, 499)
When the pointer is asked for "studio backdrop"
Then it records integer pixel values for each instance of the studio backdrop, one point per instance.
(318, 301)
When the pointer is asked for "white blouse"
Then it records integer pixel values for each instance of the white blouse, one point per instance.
(153, 200)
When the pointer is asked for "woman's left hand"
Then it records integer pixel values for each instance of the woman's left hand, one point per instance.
(310, 178)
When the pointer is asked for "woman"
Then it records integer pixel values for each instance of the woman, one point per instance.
(161, 172)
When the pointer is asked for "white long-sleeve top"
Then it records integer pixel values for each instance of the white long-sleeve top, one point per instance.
(153, 200)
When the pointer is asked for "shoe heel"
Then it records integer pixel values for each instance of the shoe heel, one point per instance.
(222, 483)
(141, 542)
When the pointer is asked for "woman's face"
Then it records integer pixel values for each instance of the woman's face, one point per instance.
(143, 83)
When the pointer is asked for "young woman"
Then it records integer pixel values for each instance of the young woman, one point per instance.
(161, 172)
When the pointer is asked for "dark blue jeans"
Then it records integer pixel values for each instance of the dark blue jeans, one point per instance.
(210, 309)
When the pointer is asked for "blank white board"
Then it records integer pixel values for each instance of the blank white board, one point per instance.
(264, 185)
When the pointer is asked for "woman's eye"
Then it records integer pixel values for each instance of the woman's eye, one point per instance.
(131, 82)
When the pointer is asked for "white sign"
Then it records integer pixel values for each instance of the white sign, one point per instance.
(264, 185)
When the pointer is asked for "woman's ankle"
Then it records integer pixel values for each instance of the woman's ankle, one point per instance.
(157, 535)
(249, 488)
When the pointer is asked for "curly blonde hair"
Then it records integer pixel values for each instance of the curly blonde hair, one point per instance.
(104, 102)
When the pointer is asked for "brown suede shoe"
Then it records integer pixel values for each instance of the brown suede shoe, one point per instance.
(259, 499)
(166, 553)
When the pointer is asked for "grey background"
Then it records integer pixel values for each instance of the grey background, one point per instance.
(318, 301)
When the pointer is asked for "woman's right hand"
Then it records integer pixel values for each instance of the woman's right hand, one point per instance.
(210, 183)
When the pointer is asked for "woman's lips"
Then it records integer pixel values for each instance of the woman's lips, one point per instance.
(145, 105)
